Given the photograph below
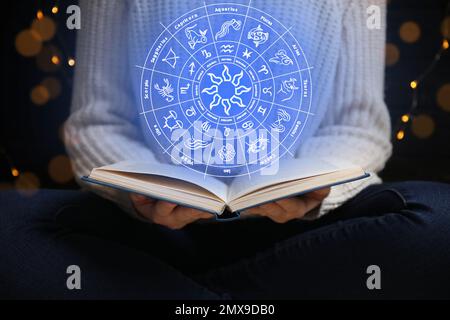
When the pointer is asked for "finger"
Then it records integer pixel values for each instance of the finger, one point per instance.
(319, 194)
(139, 199)
(164, 208)
(294, 205)
(183, 216)
(272, 208)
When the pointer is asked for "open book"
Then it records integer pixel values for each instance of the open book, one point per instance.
(185, 187)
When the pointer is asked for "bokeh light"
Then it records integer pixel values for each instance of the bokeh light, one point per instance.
(27, 183)
(39, 95)
(445, 27)
(60, 169)
(28, 43)
(443, 97)
(45, 27)
(423, 126)
(53, 86)
(392, 54)
(409, 32)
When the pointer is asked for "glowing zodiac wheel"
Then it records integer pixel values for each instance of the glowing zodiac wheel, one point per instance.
(226, 90)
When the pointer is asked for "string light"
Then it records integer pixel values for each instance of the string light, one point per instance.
(406, 118)
(400, 135)
(14, 172)
(55, 10)
(71, 62)
(39, 14)
(55, 59)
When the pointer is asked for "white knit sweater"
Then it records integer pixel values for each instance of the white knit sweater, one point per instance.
(351, 122)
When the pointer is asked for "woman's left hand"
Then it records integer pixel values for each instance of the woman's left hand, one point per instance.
(291, 208)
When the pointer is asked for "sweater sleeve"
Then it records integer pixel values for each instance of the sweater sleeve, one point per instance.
(102, 126)
(356, 126)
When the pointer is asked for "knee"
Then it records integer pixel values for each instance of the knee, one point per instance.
(428, 201)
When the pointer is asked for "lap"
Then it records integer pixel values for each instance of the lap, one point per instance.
(407, 216)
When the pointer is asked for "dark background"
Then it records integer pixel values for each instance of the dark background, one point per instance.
(33, 111)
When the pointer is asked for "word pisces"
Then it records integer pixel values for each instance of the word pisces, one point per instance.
(225, 29)
(258, 36)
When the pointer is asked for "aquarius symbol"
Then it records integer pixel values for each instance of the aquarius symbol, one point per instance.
(171, 58)
(225, 29)
(281, 58)
(195, 37)
(166, 91)
(226, 153)
(191, 68)
(247, 54)
(206, 53)
(282, 116)
(288, 87)
(195, 144)
(267, 90)
(190, 112)
(172, 117)
(263, 69)
(257, 145)
(185, 89)
(227, 48)
(258, 36)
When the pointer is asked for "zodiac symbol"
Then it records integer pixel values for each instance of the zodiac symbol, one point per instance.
(257, 145)
(225, 29)
(185, 89)
(267, 90)
(171, 58)
(247, 125)
(263, 69)
(226, 132)
(247, 54)
(281, 58)
(195, 144)
(227, 48)
(191, 111)
(172, 117)
(262, 110)
(288, 87)
(258, 36)
(237, 87)
(195, 37)
(206, 126)
(206, 53)
(282, 116)
(191, 68)
(166, 91)
(226, 153)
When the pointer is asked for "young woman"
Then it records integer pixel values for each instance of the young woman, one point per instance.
(163, 251)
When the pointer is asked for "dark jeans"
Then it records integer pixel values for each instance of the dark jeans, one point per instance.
(404, 228)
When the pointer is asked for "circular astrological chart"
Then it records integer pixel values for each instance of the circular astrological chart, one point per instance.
(226, 90)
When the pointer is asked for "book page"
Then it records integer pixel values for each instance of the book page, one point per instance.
(213, 185)
(292, 169)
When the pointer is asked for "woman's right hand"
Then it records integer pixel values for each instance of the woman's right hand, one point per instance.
(165, 213)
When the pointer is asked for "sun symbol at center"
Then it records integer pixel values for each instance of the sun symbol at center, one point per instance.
(226, 90)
